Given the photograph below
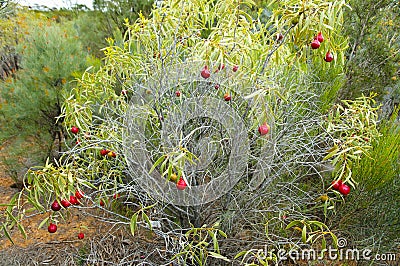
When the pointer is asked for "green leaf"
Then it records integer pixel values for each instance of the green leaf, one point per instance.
(43, 222)
(169, 171)
(292, 223)
(7, 234)
(323, 243)
(146, 218)
(310, 238)
(133, 224)
(198, 260)
(12, 216)
(320, 224)
(332, 152)
(215, 241)
(22, 230)
(222, 233)
(219, 256)
(335, 240)
(304, 234)
(160, 160)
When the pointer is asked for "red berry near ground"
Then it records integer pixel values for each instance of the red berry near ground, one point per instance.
(74, 130)
(178, 94)
(78, 142)
(55, 206)
(81, 235)
(52, 228)
(73, 200)
(315, 44)
(79, 194)
(320, 37)
(235, 68)
(336, 184)
(181, 185)
(101, 203)
(328, 57)
(216, 86)
(344, 189)
(279, 37)
(65, 203)
(227, 97)
(116, 196)
(104, 152)
(263, 129)
(205, 72)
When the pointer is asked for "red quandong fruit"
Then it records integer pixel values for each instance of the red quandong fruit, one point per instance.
(320, 37)
(73, 200)
(104, 152)
(328, 57)
(52, 228)
(79, 194)
(344, 189)
(336, 184)
(181, 185)
(315, 44)
(65, 203)
(74, 130)
(55, 206)
(205, 72)
(263, 129)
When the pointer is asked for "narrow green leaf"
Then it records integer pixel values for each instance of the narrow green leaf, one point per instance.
(43, 222)
(292, 223)
(7, 234)
(133, 224)
(241, 253)
(304, 234)
(215, 241)
(332, 152)
(310, 238)
(146, 218)
(323, 242)
(22, 230)
(335, 240)
(222, 233)
(319, 224)
(169, 171)
(12, 216)
(160, 160)
(219, 256)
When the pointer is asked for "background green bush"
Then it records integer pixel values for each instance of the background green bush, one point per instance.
(52, 56)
